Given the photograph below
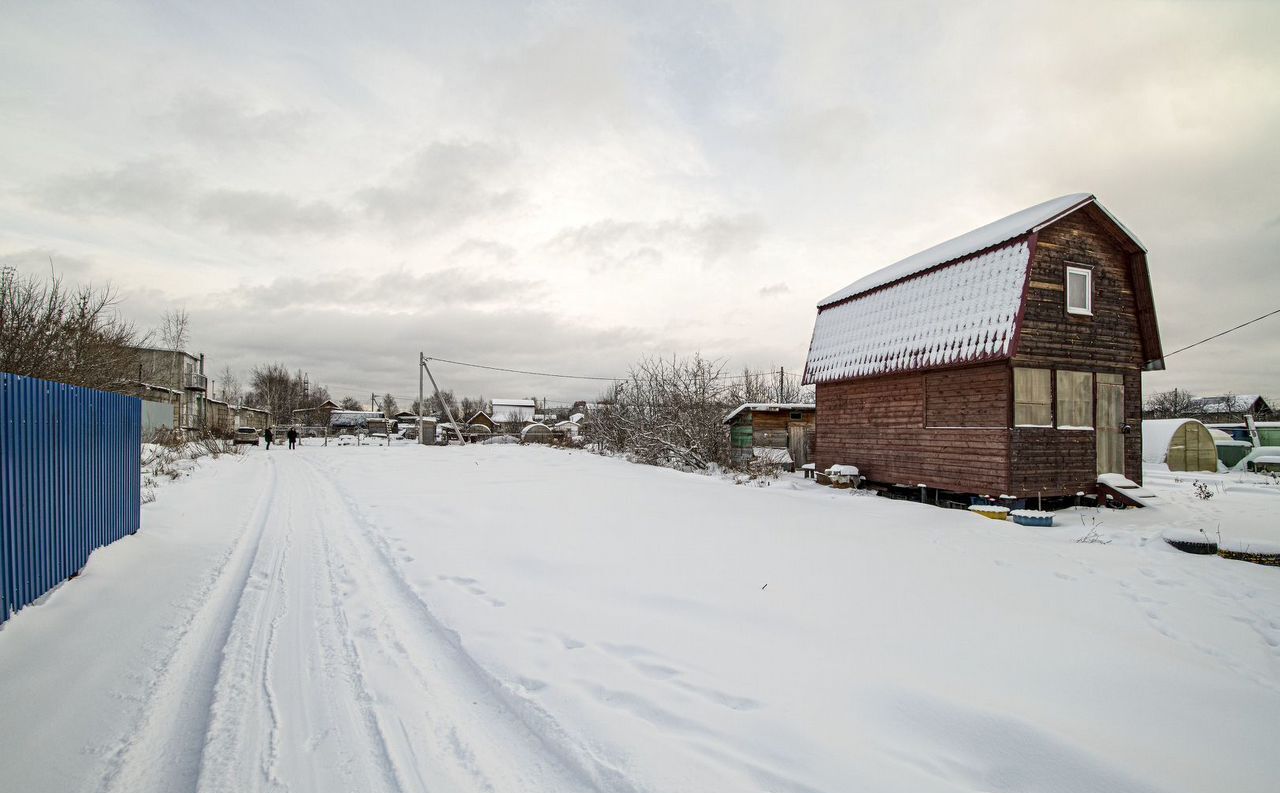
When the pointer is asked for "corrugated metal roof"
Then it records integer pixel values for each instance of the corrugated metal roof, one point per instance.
(962, 313)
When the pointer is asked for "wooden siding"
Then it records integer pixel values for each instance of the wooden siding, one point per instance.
(1063, 462)
(878, 424)
(1049, 336)
(771, 429)
(971, 397)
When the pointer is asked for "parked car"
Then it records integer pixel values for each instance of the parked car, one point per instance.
(246, 435)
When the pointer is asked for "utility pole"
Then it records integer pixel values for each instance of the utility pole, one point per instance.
(422, 361)
(421, 366)
(782, 373)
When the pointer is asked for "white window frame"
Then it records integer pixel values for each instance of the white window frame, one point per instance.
(1088, 290)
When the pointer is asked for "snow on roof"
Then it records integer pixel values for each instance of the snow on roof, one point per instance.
(1156, 435)
(534, 427)
(1238, 403)
(577, 418)
(523, 403)
(769, 406)
(1015, 225)
(962, 313)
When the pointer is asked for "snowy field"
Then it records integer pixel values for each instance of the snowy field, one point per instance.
(502, 618)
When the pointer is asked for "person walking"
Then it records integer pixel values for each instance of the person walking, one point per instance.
(293, 436)
(266, 436)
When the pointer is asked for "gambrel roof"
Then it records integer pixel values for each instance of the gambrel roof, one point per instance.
(955, 303)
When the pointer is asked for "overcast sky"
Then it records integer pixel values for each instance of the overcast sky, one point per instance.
(568, 187)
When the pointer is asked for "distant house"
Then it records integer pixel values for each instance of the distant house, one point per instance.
(775, 426)
(316, 415)
(483, 418)
(180, 372)
(1008, 360)
(1228, 407)
(513, 411)
(568, 430)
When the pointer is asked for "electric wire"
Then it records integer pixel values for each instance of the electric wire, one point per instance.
(1223, 333)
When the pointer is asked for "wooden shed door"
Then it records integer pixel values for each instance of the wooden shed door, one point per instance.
(1110, 421)
(797, 445)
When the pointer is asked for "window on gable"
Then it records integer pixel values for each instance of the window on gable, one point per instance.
(1032, 402)
(1079, 290)
(1075, 400)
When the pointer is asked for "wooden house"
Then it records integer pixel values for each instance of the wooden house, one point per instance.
(1008, 360)
(484, 419)
(756, 426)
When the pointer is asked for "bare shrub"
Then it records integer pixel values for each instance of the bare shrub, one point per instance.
(667, 412)
(53, 332)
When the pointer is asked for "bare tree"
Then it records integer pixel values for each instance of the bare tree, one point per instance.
(72, 336)
(389, 406)
(1169, 404)
(667, 412)
(229, 388)
(351, 403)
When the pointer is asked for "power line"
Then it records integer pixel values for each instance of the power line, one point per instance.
(1223, 333)
(745, 376)
(524, 371)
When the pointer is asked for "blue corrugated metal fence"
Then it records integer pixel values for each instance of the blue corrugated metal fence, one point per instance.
(69, 481)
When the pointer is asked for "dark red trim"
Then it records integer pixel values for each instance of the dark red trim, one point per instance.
(1033, 244)
(986, 359)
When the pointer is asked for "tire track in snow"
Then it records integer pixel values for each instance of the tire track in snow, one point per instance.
(290, 712)
(164, 750)
(465, 720)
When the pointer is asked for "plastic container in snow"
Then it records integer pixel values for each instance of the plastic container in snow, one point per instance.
(1032, 517)
(1191, 541)
(990, 511)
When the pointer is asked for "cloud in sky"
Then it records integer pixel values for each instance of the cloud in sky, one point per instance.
(570, 186)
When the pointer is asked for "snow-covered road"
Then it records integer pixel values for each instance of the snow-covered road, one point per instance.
(516, 619)
(313, 666)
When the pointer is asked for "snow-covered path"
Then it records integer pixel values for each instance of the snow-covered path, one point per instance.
(312, 666)
(517, 619)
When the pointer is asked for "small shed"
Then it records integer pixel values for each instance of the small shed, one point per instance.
(568, 430)
(771, 425)
(1182, 444)
(481, 417)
